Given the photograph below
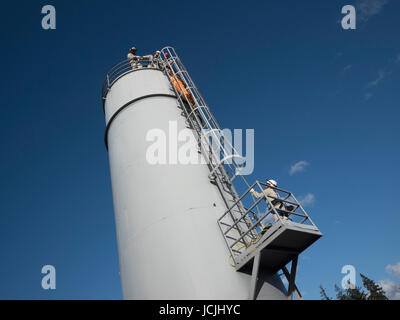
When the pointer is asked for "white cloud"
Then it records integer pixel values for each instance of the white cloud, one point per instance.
(381, 76)
(348, 67)
(298, 167)
(307, 200)
(394, 270)
(367, 96)
(368, 8)
(392, 289)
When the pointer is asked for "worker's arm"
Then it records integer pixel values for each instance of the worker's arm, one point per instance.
(256, 194)
(133, 57)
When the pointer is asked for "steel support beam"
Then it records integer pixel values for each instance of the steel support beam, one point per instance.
(291, 278)
(254, 276)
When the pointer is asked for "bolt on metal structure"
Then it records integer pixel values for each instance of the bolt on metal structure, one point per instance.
(251, 236)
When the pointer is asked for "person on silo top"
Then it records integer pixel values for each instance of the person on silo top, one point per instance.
(271, 194)
(133, 58)
(156, 60)
(149, 59)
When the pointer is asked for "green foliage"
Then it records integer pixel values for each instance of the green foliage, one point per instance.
(375, 291)
(350, 294)
(371, 291)
(323, 294)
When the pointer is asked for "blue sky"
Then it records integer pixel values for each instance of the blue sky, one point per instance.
(312, 91)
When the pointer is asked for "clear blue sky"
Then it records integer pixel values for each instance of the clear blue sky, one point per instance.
(285, 68)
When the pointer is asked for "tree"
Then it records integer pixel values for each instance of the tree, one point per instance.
(350, 294)
(324, 296)
(375, 290)
(372, 291)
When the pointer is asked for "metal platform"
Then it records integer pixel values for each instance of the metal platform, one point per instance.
(279, 245)
(279, 230)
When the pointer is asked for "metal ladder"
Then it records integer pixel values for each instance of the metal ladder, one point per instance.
(221, 156)
(240, 224)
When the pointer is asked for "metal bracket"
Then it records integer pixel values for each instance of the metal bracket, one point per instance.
(291, 278)
(254, 276)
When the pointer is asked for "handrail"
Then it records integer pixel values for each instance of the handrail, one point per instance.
(227, 226)
(121, 69)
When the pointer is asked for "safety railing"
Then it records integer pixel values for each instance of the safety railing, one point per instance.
(263, 208)
(122, 69)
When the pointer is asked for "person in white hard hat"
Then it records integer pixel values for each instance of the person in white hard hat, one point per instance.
(133, 58)
(156, 60)
(271, 194)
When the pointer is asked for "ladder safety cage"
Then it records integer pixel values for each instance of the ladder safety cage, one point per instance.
(200, 117)
(217, 150)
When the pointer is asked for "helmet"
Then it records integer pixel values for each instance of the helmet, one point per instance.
(166, 54)
(132, 49)
(272, 183)
(158, 52)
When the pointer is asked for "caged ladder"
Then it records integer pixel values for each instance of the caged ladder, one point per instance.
(253, 239)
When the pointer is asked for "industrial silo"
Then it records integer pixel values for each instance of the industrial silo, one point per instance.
(169, 240)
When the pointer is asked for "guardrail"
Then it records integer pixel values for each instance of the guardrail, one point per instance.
(261, 210)
(123, 68)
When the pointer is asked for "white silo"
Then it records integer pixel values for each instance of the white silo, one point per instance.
(169, 242)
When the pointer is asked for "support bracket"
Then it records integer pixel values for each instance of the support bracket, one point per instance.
(291, 279)
(254, 276)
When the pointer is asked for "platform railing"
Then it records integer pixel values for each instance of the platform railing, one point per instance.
(122, 69)
(263, 212)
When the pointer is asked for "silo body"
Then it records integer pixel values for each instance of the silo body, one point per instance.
(169, 243)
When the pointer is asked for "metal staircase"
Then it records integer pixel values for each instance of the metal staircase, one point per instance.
(253, 237)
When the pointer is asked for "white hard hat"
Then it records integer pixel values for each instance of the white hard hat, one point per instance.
(133, 49)
(272, 183)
